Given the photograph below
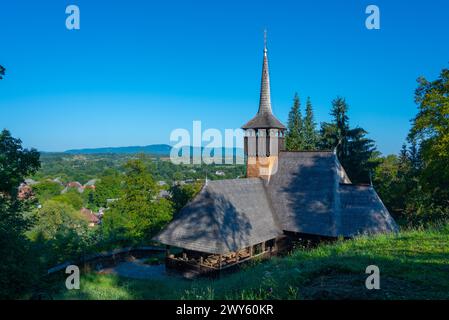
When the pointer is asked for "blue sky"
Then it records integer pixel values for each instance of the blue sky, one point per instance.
(136, 70)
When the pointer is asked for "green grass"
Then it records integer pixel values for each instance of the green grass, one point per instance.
(413, 265)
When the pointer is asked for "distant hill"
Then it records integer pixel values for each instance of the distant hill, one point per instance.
(156, 149)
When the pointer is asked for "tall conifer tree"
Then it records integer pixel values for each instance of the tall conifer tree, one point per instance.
(309, 133)
(293, 139)
(354, 150)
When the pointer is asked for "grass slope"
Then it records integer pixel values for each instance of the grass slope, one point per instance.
(413, 265)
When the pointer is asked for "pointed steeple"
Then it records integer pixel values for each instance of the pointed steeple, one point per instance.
(264, 118)
(265, 98)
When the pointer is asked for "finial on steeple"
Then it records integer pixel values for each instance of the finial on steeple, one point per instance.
(265, 40)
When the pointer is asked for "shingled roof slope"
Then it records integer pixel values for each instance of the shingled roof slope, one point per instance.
(263, 121)
(225, 216)
(309, 195)
(362, 211)
(302, 192)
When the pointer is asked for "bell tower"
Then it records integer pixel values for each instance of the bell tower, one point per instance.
(264, 134)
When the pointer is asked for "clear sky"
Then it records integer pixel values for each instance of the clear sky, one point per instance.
(136, 70)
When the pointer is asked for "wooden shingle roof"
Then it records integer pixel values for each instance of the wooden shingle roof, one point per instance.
(302, 192)
(309, 194)
(225, 216)
(362, 211)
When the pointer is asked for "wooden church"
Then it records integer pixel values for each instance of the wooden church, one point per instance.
(285, 196)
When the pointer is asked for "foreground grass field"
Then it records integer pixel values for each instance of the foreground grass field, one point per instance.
(413, 265)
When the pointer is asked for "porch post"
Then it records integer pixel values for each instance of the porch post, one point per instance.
(167, 251)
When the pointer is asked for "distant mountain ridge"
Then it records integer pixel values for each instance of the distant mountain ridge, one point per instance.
(156, 149)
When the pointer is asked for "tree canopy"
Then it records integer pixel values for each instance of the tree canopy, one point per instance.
(139, 213)
(15, 163)
(430, 130)
(354, 150)
(293, 139)
(2, 72)
(310, 137)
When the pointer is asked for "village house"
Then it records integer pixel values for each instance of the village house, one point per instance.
(73, 185)
(90, 217)
(24, 191)
(90, 184)
(285, 196)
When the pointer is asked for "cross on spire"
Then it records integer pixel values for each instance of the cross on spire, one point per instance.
(265, 40)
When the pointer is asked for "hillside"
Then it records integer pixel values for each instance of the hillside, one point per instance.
(155, 149)
(413, 265)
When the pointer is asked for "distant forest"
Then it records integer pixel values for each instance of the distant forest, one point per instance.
(85, 167)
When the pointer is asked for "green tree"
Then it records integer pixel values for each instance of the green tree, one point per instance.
(386, 182)
(354, 150)
(2, 72)
(430, 130)
(428, 179)
(309, 133)
(72, 198)
(15, 164)
(138, 215)
(46, 190)
(61, 233)
(108, 187)
(360, 157)
(53, 216)
(182, 194)
(293, 138)
(336, 133)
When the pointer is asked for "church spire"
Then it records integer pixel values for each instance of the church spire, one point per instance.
(265, 98)
(264, 118)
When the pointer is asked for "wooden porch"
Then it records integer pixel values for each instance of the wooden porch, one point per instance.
(194, 263)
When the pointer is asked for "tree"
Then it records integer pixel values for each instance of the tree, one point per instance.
(293, 139)
(138, 215)
(335, 134)
(428, 163)
(15, 164)
(360, 159)
(182, 194)
(430, 130)
(108, 187)
(61, 233)
(46, 190)
(2, 72)
(54, 216)
(354, 150)
(387, 184)
(309, 134)
(71, 198)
